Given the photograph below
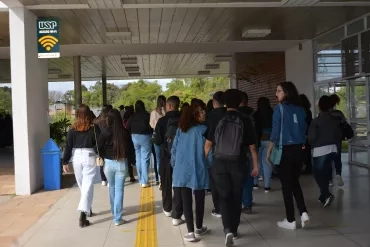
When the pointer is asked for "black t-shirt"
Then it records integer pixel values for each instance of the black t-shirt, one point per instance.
(249, 136)
(213, 118)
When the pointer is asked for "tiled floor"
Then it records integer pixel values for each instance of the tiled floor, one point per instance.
(345, 223)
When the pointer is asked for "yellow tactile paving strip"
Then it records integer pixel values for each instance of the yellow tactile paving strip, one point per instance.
(146, 232)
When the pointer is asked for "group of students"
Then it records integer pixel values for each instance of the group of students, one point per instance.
(223, 147)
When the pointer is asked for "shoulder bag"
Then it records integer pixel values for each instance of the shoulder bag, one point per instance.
(277, 150)
(99, 160)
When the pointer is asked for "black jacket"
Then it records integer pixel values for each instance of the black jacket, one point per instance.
(139, 124)
(325, 130)
(160, 128)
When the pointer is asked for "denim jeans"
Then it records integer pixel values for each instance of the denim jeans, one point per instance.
(84, 166)
(158, 159)
(265, 170)
(247, 196)
(116, 172)
(143, 150)
(322, 171)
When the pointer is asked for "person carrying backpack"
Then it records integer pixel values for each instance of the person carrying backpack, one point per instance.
(164, 134)
(233, 136)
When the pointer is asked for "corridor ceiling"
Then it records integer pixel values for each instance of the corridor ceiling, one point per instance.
(174, 38)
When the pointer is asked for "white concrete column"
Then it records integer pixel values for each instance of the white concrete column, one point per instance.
(299, 69)
(77, 80)
(29, 78)
(233, 75)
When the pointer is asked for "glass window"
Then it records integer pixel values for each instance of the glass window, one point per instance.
(360, 155)
(329, 39)
(341, 91)
(350, 56)
(365, 48)
(355, 27)
(358, 104)
(329, 63)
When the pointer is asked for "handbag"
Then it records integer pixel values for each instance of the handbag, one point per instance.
(99, 160)
(277, 150)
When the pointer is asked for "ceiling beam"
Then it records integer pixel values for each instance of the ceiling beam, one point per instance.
(283, 4)
(171, 48)
(12, 3)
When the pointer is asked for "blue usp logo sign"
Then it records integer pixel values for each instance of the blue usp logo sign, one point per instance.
(48, 38)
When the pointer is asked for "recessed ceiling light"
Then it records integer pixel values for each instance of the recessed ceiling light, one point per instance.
(212, 66)
(204, 72)
(54, 71)
(134, 74)
(132, 69)
(223, 58)
(125, 33)
(129, 60)
(255, 33)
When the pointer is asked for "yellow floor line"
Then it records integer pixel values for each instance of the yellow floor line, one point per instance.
(146, 230)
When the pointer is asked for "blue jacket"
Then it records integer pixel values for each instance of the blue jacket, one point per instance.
(190, 168)
(294, 125)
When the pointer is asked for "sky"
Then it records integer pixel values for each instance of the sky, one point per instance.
(68, 85)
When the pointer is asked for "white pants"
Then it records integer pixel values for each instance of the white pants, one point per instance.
(84, 166)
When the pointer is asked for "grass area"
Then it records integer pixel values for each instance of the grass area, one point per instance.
(344, 146)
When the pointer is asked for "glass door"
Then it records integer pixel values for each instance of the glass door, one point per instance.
(358, 116)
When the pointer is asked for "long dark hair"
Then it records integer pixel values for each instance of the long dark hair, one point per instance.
(291, 93)
(305, 101)
(139, 106)
(119, 135)
(161, 104)
(102, 120)
(264, 113)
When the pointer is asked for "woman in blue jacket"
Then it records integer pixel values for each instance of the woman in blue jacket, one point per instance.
(289, 131)
(190, 171)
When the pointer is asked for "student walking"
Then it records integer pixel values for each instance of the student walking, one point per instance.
(140, 130)
(155, 115)
(289, 137)
(232, 137)
(263, 124)
(81, 146)
(115, 147)
(165, 132)
(323, 135)
(190, 170)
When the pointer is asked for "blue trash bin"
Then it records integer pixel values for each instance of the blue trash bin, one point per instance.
(50, 155)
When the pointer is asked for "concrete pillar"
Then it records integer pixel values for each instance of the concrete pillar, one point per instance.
(29, 78)
(104, 88)
(232, 66)
(299, 69)
(77, 80)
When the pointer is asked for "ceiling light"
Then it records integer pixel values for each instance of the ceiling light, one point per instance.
(212, 66)
(129, 60)
(223, 58)
(287, 3)
(204, 72)
(134, 74)
(132, 69)
(54, 71)
(255, 33)
(64, 76)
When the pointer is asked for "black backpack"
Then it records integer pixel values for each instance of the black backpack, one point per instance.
(229, 138)
(169, 136)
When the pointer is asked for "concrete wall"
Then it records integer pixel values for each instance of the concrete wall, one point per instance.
(299, 68)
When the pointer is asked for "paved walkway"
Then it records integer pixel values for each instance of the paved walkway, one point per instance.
(7, 184)
(345, 223)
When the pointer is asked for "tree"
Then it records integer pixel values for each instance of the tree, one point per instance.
(55, 96)
(5, 100)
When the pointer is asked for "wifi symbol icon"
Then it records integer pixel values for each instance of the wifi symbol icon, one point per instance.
(48, 42)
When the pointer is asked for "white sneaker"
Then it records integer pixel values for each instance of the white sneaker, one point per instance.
(229, 241)
(305, 220)
(331, 183)
(108, 185)
(177, 222)
(145, 185)
(287, 225)
(339, 180)
(103, 183)
(168, 214)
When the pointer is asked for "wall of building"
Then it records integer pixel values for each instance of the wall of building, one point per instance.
(299, 68)
(258, 74)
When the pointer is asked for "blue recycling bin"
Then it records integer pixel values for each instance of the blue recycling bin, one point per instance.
(50, 155)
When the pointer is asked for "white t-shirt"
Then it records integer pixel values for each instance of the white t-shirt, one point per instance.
(154, 117)
(324, 150)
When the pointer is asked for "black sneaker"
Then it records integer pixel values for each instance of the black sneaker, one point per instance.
(328, 201)
(267, 190)
(247, 210)
(236, 236)
(255, 186)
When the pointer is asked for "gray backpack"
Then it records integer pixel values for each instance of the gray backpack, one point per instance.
(229, 138)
